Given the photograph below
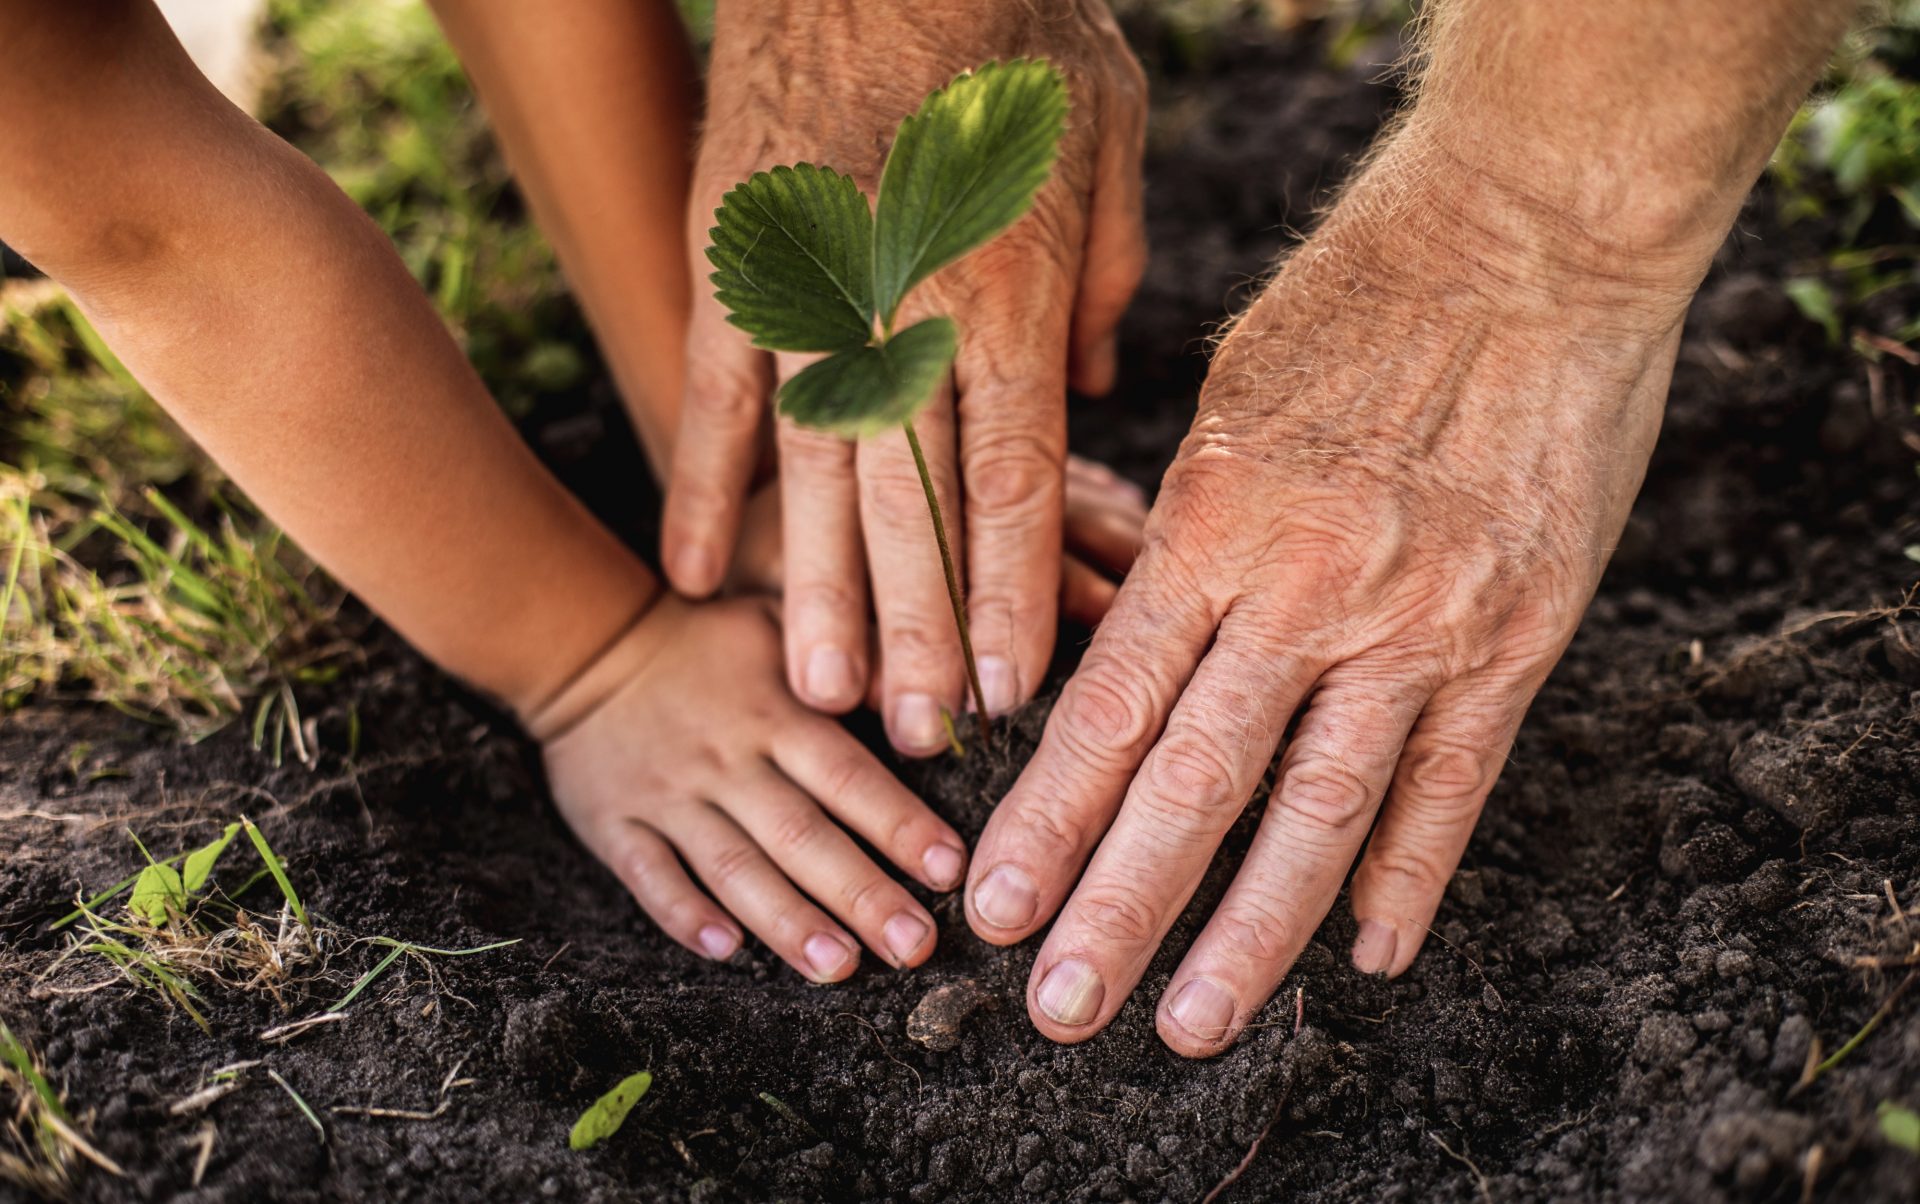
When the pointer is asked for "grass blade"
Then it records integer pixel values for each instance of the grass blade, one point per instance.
(308, 1112)
(368, 977)
(278, 871)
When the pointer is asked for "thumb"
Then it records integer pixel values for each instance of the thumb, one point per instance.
(715, 451)
(1116, 250)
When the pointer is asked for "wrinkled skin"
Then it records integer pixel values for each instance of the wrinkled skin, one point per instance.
(1411, 461)
(1036, 308)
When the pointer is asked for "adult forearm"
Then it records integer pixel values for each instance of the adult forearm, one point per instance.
(594, 105)
(275, 322)
(1616, 140)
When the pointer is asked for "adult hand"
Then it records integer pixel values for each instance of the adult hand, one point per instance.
(1105, 514)
(1037, 308)
(1410, 464)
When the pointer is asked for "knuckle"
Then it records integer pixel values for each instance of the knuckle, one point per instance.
(811, 453)
(726, 401)
(866, 895)
(1447, 774)
(1251, 932)
(892, 493)
(916, 643)
(1106, 717)
(698, 499)
(1115, 918)
(1403, 872)
(798, 828)
(824, 597)
(846, 777)
(1324, 795)
(1190, 773)
(1012, 472)
(730, 864)
(1046, 832)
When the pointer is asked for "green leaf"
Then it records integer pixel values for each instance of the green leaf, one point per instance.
(1816, 304)
(200, 861)
(867, 389)
(1900, 1125)
(792, 250)
(962, 169)
(609, 1112)
(157, 888)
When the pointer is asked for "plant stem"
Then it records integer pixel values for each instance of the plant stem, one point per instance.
(953, 585)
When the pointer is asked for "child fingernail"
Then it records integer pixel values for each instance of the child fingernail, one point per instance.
(826, 955)
(1070, 994)
(1373, 949)
(718, 942)
(1006, 897)
(916, 723)
(830, 677)
(997, 684)
(904, 934)
(943, 864)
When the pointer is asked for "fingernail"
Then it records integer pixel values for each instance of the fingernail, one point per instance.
(693, 569)
(829, 678)
(1070, 994)
(943, 864)
(1204, 1009)
(718, 942)
(1006, 897)
(997, 684)
(904, 934)
(916, 723)
(1373, 949)
(826, 955)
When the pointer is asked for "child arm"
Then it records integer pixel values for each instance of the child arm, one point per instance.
(594, 105)
(275, 322)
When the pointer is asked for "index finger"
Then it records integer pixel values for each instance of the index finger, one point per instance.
(1218, 744)
(1108, 716)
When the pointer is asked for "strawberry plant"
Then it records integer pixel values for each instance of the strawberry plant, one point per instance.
(803, 264)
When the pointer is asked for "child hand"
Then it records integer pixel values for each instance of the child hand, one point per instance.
(681, 750)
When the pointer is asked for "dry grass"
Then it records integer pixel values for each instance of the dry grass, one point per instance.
(41, 1138)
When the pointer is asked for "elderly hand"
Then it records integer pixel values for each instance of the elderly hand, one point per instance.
(1410, 464)
(1037, 308)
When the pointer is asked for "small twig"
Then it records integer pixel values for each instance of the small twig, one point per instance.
(205, 1137)
(1299, 1009)
(281, 1034)
(203, 1099)
(548, 964)
(1486, 1193)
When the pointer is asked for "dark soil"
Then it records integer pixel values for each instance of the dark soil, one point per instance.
(1662, 911)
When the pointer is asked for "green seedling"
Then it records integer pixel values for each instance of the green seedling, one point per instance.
(278, 871)
(803, 264)
(609, 1112)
